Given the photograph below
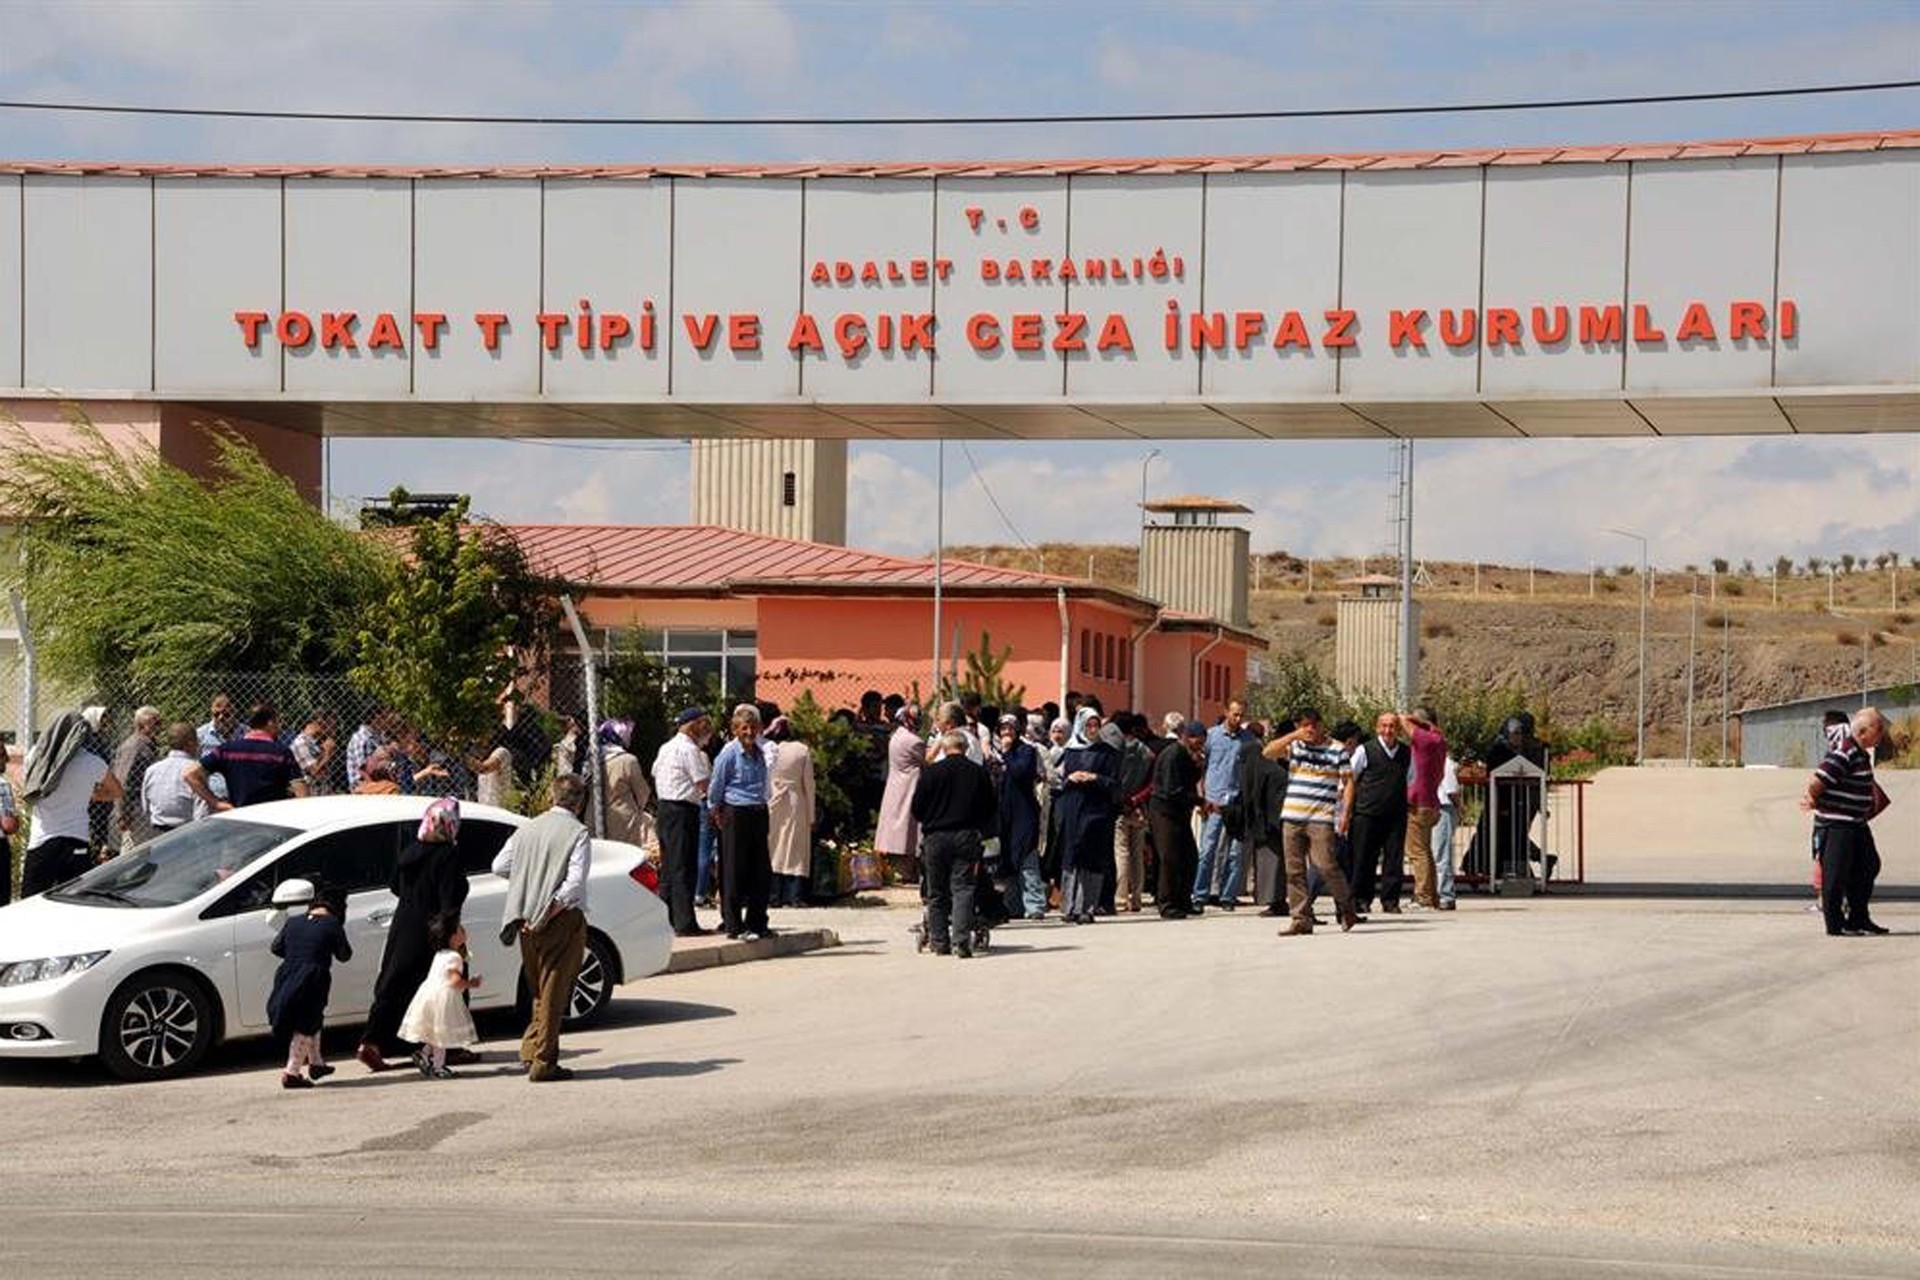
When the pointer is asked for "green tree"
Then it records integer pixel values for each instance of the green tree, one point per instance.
(639, 687)
(984, 673)
(467, 619)
(136, 570)
(833, 742)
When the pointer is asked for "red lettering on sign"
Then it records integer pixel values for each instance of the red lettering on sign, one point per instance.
(850, 334)
(1292, 332)
(869, 274)
(1600, 324)
(385, 334)
(983, 332)
(1246, 328)
(1403, 327)
(942, 268)
(1696, 324)
(336, 330)
(1207, 329)
(700, 329)
(974, 214)
(1503, 327)
(805, 336)
(1068, 273)
(1643, 330)
(1071, 325)
(1040, 269)
(1025, 332)
(250, 322)
(843, 272)
(1457, 328)
(1544, 333)
(1747, 320)
(491, 323)
(989, 269)
(1114, 334)
(919, 270)
(1789, 320)
(820, 274)
(916, 331)
(551, 323)
(1338, 325)
(613, 327)
(1029, 217)
(430, 323)
(743, 331)
(1013, 270)
(294, 329)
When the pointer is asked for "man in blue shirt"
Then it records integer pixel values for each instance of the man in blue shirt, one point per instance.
(1220, 850)
(737, 799)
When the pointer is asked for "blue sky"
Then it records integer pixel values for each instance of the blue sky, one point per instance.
(1540, 500)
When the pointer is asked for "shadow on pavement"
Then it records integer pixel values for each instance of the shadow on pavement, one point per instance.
(654, 1070)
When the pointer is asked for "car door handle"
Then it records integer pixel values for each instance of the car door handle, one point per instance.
(380, 915)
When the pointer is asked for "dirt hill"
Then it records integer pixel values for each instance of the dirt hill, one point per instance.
(1571, 639)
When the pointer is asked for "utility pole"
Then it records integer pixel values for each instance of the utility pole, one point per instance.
(1830, 580)
(1409, 642)
(1693, 631)
(1646, 591)
(1590, 577)
(939, 556)
(1726, 620)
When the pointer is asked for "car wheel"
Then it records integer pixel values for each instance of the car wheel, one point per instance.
(157, 1024)
(593, 989)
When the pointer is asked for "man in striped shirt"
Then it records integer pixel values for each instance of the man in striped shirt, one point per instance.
(1844, 798)
(1319, 804)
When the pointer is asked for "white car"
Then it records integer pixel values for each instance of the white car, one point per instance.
(153, 958)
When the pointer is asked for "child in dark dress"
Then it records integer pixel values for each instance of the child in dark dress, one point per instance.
(297, 1007)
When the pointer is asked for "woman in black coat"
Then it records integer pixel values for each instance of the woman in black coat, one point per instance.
(427, 880)
(1089, 803)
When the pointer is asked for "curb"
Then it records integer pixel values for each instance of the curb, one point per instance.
(713, 955)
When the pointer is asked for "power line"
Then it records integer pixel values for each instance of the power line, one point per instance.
(1116, 117)
(994, 502)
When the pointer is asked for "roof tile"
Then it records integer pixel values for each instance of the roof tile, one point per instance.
(1816, 143)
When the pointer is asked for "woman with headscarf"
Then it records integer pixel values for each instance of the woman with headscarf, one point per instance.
(1058, 731)
(627, 789)
(1020, 791)
(1089, 802)
(65, 776)
(427, 881)
(790, 801)
(896, 838)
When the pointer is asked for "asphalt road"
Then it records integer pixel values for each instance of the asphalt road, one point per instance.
(1543, 1088)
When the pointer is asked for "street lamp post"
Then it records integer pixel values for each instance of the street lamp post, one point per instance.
(1640, 704)
(1693, 635)
(1140, 576)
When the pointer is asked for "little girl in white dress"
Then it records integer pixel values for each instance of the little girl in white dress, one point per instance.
(437, 1018)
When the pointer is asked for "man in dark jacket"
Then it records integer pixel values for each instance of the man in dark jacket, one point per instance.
(1176, 790)
(1263, 789)
(1380, 769)
(956, 808)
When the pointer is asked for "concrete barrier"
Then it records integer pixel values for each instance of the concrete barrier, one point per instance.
(1728, 826)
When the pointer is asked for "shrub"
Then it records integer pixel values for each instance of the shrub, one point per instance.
(1732, 587)
(1845, 639)
(1438, 630)
(1327, 619)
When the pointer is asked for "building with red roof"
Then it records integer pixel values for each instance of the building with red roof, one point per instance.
(770, 617)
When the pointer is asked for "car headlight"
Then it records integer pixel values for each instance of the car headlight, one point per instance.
(21, 972)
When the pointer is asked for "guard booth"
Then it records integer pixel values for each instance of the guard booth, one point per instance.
(1519, 830)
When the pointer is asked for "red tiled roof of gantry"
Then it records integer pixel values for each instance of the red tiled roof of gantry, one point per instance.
(697, 557)
(1798, 144)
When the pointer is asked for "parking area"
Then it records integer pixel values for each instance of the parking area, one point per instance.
(1521, 1087)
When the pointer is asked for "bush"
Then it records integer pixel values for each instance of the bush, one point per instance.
(1846, 639)
(1327, 619)
(1438, 630)
(1732, 587)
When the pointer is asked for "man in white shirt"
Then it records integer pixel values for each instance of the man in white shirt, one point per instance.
(60, 842)
(174, 790)
(680, 773)
(1443, 833)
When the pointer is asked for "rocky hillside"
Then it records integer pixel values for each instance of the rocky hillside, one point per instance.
(1571, 639)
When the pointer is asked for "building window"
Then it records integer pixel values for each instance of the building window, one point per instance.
(789, 490)
(1113, 657)
(729, 658)
(1086, 651)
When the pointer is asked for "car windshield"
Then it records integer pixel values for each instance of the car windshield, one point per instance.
(176, 867)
